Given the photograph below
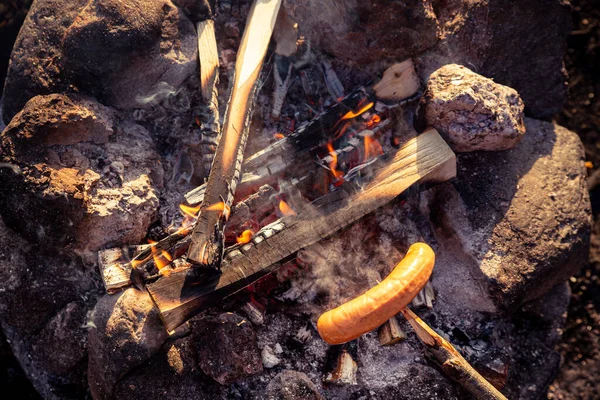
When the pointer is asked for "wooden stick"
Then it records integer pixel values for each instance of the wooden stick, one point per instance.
(426, 158)
(390, 333)
(209, 77)
(452, 363)
(206, 248)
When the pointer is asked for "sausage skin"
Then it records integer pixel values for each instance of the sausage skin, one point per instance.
(380, 303)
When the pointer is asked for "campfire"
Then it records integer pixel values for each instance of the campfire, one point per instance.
(282, 204)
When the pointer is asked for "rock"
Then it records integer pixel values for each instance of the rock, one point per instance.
(292, 385)
(43, 305)
(522, 216)
(520, 45)
(126, 330)
(227, 348)
(367, 32)
(471, 111)
(69, 183)
(115, 52)
(36, 60)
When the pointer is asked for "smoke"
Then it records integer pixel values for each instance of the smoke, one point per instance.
(166, 95)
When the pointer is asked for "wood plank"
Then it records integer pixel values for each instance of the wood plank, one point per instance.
(423, 159)
(206, 247)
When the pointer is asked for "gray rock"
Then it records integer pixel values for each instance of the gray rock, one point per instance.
(523, 216)
(226, 347)
(471, 111)
(520, 45)
(292, 385)
(126, 330)
(117, 53)
(69, 183)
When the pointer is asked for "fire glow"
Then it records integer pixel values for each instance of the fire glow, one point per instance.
(189, 211)
(372, 147)
(338, 175)
(353, 114)
(162, 258)
(285, 209)
(245, 237)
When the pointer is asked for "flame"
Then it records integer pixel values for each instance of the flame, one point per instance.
(278, 136)
(220, 206)
(245, 237)
(285, 209)
(198, 122)
(161, 257)
(372, 147)
(375, 119)
(353, 114)
(333, 164)
(189, 211)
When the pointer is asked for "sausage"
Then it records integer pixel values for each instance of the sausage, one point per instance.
(380, 303)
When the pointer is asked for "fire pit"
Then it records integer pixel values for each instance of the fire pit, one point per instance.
(191, 185)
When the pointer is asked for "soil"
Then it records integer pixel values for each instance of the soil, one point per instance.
(580, 348)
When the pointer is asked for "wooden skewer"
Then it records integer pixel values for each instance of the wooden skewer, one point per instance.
(452, 363)
(206, 247)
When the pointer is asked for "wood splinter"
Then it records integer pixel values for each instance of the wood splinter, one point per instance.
(344, 372)
(390, 333)
(450, 360)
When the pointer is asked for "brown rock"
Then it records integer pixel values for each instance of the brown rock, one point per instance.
(365, 32)
(69, 183)
(292, 385)
(523, 216)
(518, 44)
(126, 331)
(471, 111)
(227, 348)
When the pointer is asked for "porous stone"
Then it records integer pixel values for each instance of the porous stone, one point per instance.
(125, 331)
(69, 183)
(471, 111)
(227, 348)
(522, 216)
(292, 385)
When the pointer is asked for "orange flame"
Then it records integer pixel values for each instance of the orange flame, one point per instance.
(278, 136)
(189, 211)
(375, 119)
(245, 237)
(352, 114)
(161, 258)
(220, 206)
(372, 148)
(333, 164)
(285, 209)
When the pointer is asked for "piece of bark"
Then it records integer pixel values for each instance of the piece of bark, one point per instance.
(426, 158)
(344, 372)
(206, 248)
(450, 360)
(390, 333)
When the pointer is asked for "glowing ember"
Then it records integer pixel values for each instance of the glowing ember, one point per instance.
(372, 148)
(333, 165)
(278, 136)
(245, 237)
(352, 114)
(189, 211)
(285, 209)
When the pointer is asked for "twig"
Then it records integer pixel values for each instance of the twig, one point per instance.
(450, 360)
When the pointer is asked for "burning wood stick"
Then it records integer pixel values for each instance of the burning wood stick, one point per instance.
(206, 248)
(209, 77)
(398, 83)
(179, 296)
(450, 360)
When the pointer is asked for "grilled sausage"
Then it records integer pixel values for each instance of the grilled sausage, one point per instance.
(380, 303)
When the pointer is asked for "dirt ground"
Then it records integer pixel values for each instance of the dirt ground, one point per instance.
(580, 347)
